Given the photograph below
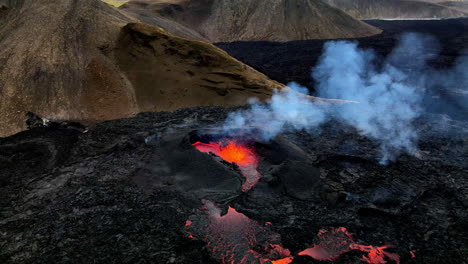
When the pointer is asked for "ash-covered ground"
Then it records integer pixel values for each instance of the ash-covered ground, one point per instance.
(122, 191)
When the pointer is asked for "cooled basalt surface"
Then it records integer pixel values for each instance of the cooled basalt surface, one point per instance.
(122, 191)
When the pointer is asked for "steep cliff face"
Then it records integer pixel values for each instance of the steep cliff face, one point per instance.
(233, 20)
(395, 9)
(82, 60)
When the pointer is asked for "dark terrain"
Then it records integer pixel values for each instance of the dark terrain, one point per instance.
(293, 61)
(121, 191)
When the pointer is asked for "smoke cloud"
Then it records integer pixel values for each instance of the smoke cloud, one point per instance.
(390, 96)
(390, 93)
(288, 110)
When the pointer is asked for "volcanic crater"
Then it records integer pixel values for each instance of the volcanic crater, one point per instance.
(160, 188)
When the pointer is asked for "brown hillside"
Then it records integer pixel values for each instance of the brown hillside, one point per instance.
(459, 5)
(395, 9)
(82, 60)
(233, 20)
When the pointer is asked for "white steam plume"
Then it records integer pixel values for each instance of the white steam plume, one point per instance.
(287, 110)
(390, 95)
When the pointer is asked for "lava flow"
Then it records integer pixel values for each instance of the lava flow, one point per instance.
(335, 242)
(234, 238)
(231, 151)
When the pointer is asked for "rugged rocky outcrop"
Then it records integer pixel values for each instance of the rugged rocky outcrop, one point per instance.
(234, 20)
(395, 9)
(85, 60)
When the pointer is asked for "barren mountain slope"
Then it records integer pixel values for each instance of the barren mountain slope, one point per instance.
(459, 5)
(78, 60)
(394, 9)
(148, 16)
(233, 20)
(171, 73)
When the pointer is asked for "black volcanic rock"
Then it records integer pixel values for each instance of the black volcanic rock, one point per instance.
(120, 192)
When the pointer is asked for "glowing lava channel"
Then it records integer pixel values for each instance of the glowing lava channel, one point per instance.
(234, 238)
(335, 242)
(237, 153)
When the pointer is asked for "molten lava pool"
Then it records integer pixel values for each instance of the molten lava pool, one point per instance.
(238, 153)
(234, 238)
(335, 242)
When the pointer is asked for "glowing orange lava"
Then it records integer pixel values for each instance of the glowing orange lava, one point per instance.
(234, 238)
(232, 152)
(376, 255)
(283, 261)
(335, 242)
(237, 153)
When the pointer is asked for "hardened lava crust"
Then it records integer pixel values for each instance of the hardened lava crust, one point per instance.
(122, 191)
